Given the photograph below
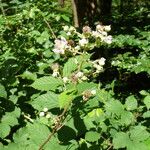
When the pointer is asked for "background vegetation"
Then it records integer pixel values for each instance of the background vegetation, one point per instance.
(109, 109)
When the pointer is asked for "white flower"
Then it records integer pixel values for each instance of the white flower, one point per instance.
(55, 74)
(65, 79)
(99, 27)
(60, 46)
(99, 68)
(45, 109)
(101, 61)
(68, 33)
(48, 116)
(41, 114)
(93, 92)
(59, 51)
(108, 39)
(66, 28)
(83, 42)
(107, 28)
(95, 34)
(104, 33)
(86, 29)
(79, 74)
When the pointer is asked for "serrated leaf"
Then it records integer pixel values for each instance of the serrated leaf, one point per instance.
(48, 100)
(69, 67)
(147, 101)
(104, 95)
(9, 120)
(137, 146)
(115, 107)
(4, 130)
(139, 133)
(92, 136)
(120, 140)
(3, 92)
(131, 103)
(127, 118)
(47, 83)
(31, 134)
(81, 87)
(41, 131)
(65, 98)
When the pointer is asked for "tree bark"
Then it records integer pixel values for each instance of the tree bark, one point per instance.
(89, 11)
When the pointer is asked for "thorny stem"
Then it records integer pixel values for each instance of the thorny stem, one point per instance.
(57, 127)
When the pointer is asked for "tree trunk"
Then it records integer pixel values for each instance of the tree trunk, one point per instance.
(89, 11)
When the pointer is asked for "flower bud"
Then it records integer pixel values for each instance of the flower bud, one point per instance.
(93, 92)
(45, 109)
(65, 79)
(41, 114)
(48, 116)
(107, 28)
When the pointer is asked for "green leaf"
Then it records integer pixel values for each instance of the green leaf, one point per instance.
(69, 67)
(146, 114)
(66, 18)
(10, 120)
(127, 118)
(3, 92)
(139, 133)
(92, 136)
(81, 87)
(29, 75)
(4, 130)
(104, 95)
(48, 100)
(47, 83)
(65, 98)
(120, 140)
(147, 101)
(115, 107)
(143, 92)
(31, 134)
(147, 142)
(137, 146)
(131, 103)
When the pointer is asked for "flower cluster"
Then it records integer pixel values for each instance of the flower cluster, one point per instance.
(76, 42)
(60, 46)
(98, 64)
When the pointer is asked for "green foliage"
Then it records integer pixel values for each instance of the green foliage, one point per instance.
(46, 83)
(85, 93)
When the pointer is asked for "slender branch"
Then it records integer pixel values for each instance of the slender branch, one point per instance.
(50, 28)
(28, 118)
(57, 127)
